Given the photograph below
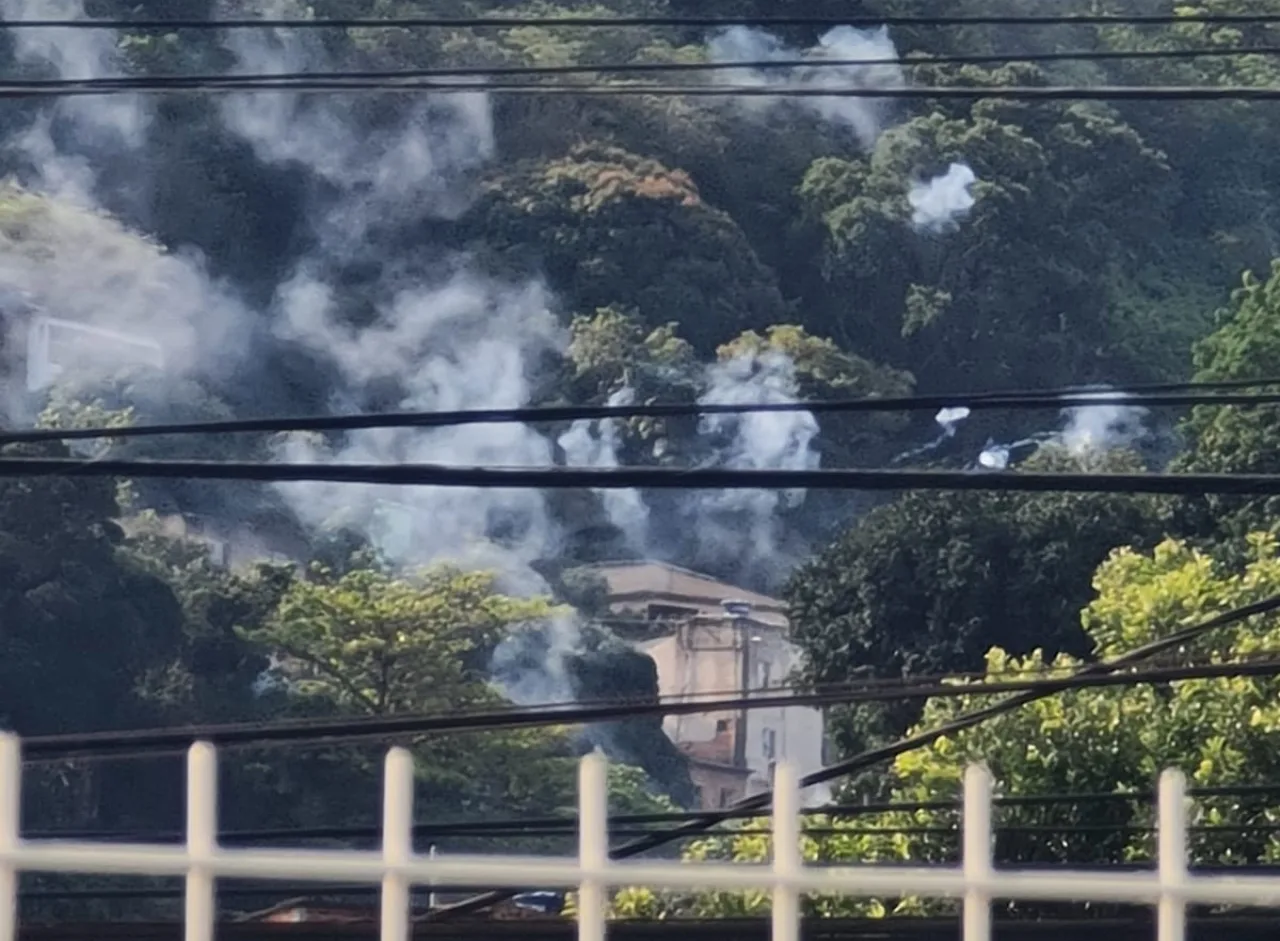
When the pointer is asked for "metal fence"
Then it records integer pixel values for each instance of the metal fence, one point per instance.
(1170, 888)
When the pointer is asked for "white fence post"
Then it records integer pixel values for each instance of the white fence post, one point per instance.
(202, 841)
(10, 832)
(978, 868)
(593, 846)
(787, 857)
(397, 844)
(1171, 921)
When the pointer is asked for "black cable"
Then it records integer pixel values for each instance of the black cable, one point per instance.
(872, 757)
(299, 894)
(608, 68)
(651, 478)
(148, 742)
(568, 827)
(85, 88)
(593, 22)
(1144, 396)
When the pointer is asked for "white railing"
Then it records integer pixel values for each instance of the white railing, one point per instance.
(397, 868)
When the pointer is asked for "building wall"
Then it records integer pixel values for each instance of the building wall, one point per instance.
(705, 659)
(717, 787)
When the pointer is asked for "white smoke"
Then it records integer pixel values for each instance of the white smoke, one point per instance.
(941, 203)
(937, 204)
(82, 267)
(118, 121)
(531, 665)
(596, 444)
(1089, 432)
(1103, 428)
(744, 523)
(72, 263)
(865, 116)
(464, 344)
(383, 170)
(451, 340)
(995, 456)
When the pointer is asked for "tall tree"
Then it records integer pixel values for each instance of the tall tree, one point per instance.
(928, 584)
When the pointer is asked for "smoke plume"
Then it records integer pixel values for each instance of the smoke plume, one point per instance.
(462, 344)
(383, 164)
(90, 123)
(942, 202)
(531, 665)
(866, 117)
(1088, 433)
(596, 444)
(938, 204)
(743, 524)
(1103, 428)
(69, 262)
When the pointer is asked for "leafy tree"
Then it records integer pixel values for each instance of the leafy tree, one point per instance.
(607, 226)
(78, 616)
(929, 583)
(217, 672)
(380, 644)
(371, 643)
(945, 303)
(1236, 440)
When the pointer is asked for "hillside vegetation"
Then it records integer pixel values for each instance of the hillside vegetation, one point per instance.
(325, 253)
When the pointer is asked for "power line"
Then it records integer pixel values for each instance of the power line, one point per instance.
(143, 742)
(627, 824)
(153, 82)
(604, 22)
(872, 757)
(883, 928)
(1179, 395)
(651, 478)
(11, 90)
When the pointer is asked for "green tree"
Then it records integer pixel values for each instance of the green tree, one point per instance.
(368, 642)
(1245, 345)
(611, 227)
(929, 583)
(379, 644)
(948, 305)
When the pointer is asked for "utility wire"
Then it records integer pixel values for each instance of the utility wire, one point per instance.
(598, 22)
(11, 90)
(651, 478)
(143, 742)
(300, 894)
(1169, 395)
(623, 824)
(872, 757)
(625, 68)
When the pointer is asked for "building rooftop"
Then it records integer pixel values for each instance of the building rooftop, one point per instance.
(638, 582)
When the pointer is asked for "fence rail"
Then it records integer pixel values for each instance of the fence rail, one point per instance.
(1170, 888)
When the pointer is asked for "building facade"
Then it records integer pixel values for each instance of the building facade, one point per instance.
(711, 640)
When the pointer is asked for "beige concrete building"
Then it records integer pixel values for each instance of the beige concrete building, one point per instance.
(712, 640)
